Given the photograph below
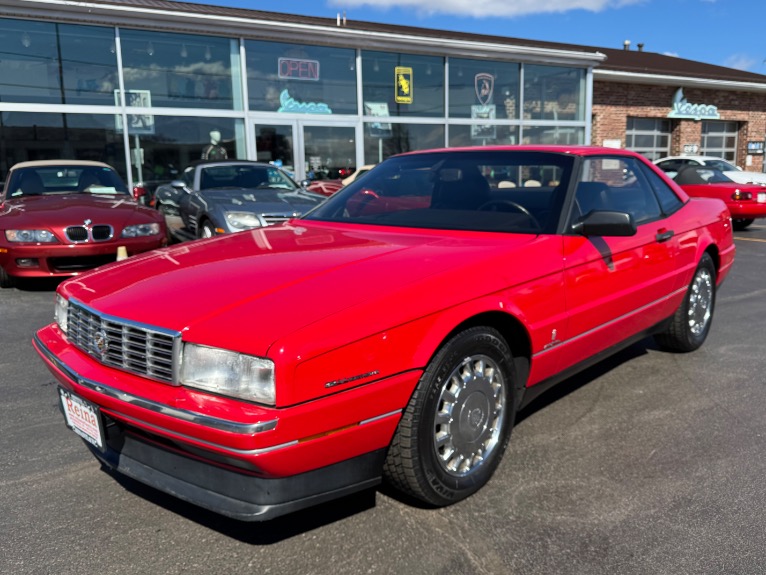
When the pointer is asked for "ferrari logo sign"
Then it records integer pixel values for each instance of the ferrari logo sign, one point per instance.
(403, 79)
(485, 85)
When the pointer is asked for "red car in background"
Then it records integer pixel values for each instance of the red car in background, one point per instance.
(60, 218)
(391, 333)
(746, 202)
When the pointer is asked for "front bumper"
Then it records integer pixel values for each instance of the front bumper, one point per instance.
(227, 490)
(60, 260)
(235, 458)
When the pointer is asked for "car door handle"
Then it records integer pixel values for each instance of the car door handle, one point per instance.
(664, 235)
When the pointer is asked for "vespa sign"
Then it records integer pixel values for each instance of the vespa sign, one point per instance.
(684, 109)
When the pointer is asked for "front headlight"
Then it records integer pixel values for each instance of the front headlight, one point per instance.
(30, 236)
(243, 220)
(228, 373)
(61, 313)
(141, 230)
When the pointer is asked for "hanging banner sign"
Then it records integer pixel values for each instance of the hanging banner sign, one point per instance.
(403, 80)
(484, 84)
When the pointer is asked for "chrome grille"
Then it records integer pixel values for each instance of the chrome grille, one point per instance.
(137, 348)
(272, 219)
(101, 233)
(97, 233)
(77, 234)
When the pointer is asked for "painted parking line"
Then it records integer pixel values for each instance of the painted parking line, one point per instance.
(749, 239)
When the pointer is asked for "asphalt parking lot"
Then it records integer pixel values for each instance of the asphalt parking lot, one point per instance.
(647, 463)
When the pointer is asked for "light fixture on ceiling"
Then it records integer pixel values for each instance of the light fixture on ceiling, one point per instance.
(352, 63)
(208, 54)
(26, 41)
(150, 48)
(184, 52)
(376, 66)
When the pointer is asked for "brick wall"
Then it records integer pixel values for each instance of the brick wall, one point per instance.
(614, 102)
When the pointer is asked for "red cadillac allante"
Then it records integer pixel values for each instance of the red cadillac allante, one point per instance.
(391, 333)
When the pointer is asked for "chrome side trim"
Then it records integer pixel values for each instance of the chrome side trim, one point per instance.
(379, 417)
(182, 414)
(195, 440)
(610, 322)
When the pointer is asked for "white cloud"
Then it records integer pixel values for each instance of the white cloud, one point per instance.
(673, 54)
(740, 62)
(488, 8)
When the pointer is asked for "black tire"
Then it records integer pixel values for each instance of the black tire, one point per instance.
(206, 230)
(454, 430)
(691, 323)
(740, 224)
(6, 281)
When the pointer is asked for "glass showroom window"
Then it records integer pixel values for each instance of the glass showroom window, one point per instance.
(382, 139)
(35, 54)
(720, 139)
(402, 84)
(40, 136)
(302, 79)
(180, 70)
(173, 142)
(482, 135)
(648, 136)
(553, 135)
(482, 89)
(554, 93)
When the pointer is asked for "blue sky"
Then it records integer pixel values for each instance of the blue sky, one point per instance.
(723, 32)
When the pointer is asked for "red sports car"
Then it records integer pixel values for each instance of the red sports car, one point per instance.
(391, 333)
(60, 218)
(746, 202)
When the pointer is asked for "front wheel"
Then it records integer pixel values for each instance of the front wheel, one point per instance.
(691, 322)
(6, 281)
(457, 424)
(206, 230)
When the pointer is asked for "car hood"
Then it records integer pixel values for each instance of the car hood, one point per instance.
(261, 200)
(273, 281)
(67, 209)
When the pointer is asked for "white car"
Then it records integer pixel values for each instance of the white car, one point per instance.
(671, 164)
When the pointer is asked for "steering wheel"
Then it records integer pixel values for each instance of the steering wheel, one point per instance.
(490, 205)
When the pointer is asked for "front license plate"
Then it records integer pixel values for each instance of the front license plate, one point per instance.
(761, 197)
(82, 417)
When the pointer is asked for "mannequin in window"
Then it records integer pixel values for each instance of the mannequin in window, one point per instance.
(214, 150)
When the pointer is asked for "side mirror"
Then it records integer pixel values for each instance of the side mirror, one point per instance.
(178, 184)
(606, 223)
(305, 183)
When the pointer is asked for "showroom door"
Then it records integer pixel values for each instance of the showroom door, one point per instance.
(308, 150)
(329, 151)
(276, 143)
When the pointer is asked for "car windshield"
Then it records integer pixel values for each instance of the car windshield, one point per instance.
(691, 175)
(483, 190)
(244, 176)
(63, 179)
(721, 165)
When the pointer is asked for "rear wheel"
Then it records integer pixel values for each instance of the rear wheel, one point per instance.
(691, 323)
(457, 424)
(740, 224)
